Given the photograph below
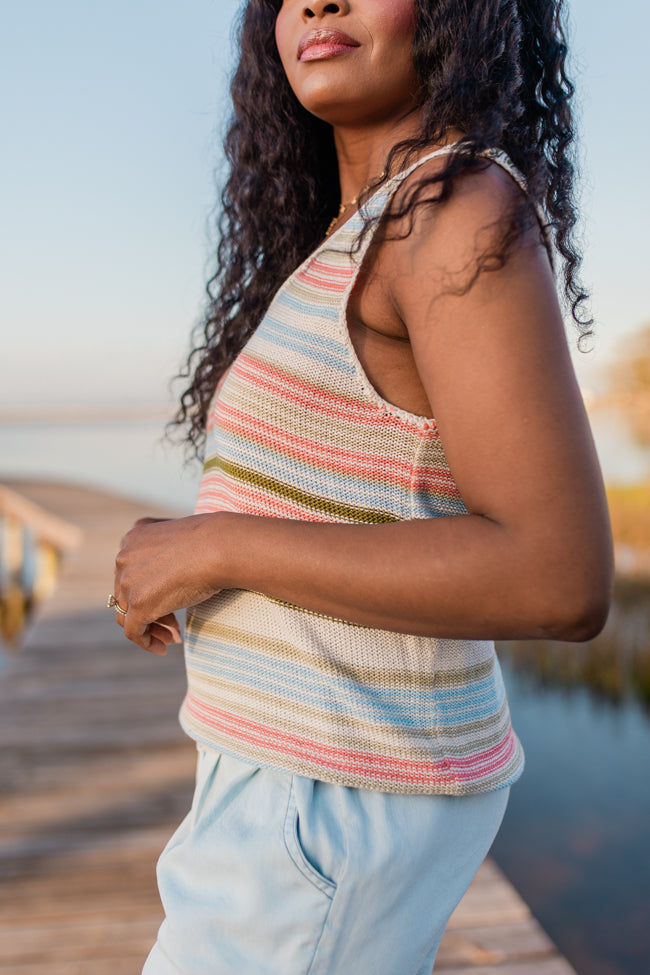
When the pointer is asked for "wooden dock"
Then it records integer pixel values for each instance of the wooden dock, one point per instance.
(95, 774)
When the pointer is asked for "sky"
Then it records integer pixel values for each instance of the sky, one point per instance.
(113, 115)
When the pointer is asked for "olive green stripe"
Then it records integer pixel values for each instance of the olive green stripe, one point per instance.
(292, 493)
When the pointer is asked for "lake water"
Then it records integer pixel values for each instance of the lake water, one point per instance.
(576, 837)
(128, 456)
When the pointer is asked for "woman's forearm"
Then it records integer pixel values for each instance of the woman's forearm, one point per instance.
(465, 576)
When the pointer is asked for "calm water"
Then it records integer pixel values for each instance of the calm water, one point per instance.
(576, 837)
(130, 457)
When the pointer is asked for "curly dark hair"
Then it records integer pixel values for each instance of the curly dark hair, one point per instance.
(493, 69)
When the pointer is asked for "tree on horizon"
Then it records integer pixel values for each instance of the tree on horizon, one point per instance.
(628, 383)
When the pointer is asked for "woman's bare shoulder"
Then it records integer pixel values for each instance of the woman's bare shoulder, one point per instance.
(450, 235)
(492, 354)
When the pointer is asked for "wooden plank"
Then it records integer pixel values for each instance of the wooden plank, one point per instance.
(129, 965)
(489, 900)
(494, 944)
(547, 966)
(49, 942)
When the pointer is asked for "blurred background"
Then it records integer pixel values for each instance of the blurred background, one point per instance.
(112, 123)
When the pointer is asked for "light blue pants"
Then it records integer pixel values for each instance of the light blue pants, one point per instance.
(275, 874)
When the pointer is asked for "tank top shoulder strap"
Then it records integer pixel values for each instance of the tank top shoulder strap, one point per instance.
(497, 156)
(501, 159)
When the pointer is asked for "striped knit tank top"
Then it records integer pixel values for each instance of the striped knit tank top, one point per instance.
(296, 430)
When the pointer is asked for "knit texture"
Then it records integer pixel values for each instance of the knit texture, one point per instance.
(296, 430)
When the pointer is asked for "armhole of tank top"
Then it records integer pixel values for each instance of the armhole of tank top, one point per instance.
(385, 194)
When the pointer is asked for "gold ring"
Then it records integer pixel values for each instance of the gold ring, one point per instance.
(113, 604)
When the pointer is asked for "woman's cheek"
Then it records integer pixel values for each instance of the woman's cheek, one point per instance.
(283, 39)
(394, 19)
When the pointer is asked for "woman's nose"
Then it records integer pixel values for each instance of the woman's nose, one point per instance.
(318, 8)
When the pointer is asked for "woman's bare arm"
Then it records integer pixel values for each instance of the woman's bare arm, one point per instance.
(533, 556)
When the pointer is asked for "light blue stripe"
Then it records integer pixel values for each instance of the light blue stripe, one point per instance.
(362, 490)
(288, 681)
(473, 694)
(310, 309)
(240, 449)
(310, 306)
(307, 345)
(289, 331)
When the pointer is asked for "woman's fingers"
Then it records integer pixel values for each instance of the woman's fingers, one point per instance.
(169, 623)
(155, 640)
(145, 635)
(159, 638)
(154, 637)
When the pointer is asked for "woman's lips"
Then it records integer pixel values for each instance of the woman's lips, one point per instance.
(319, 44)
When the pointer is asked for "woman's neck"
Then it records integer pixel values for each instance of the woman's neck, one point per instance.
(362, 152)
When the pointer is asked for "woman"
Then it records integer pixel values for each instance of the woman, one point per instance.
(398, 470)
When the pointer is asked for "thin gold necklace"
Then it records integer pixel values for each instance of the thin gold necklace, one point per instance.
(353, 202)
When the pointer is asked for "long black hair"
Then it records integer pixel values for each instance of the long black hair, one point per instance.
(493, 69)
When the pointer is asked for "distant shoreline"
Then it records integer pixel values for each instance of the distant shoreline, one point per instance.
(85, 413)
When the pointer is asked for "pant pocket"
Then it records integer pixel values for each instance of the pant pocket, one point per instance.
(296, 851)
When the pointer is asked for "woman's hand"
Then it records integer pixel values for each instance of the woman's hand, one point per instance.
(163, 565)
